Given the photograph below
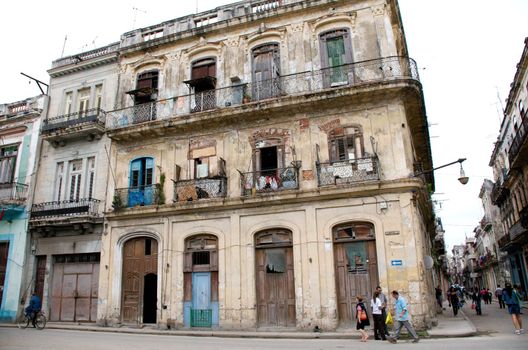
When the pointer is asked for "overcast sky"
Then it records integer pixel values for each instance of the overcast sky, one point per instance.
(467, 51)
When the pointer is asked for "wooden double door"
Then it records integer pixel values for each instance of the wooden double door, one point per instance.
(74, 288)
(356, 275)
(140, 281)
(275, 280)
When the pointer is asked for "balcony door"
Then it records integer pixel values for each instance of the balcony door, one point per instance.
(336, 53)
(141, 190)
(266, 72)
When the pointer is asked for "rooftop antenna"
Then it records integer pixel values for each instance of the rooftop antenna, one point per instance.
(196, 6)
(64, 45)
(136, 10)
(93, 41)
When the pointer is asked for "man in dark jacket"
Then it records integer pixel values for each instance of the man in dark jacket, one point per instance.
(34, 307)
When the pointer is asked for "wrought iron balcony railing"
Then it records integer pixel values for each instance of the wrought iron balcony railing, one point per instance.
(377, 70)
(348, 172)
(86, 206)
(137, 196)
(267, 181)
(519, 139)
(192, 190)
(13, 191)
(90, 116)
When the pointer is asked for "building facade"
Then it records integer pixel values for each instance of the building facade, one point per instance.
(19, 134)
(263, 156)
(66, 218)
(510, 167)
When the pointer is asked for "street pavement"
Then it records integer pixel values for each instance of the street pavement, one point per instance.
(495, 331)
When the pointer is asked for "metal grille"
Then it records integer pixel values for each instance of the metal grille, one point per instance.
(13, 191)
(190, 190)
(347, 172)
(65, 208)
(200, 258)
(201, 318)
(90, 116)
(347, 75)
(269, 181)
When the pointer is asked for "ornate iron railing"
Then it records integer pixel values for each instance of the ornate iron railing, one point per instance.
(192, 190)
(266, 181)
(13, 191)
(86, 206)
(137, 196)
(347, 172)
(378, 70)
(90, 116)
(201, 318)
(519, 139)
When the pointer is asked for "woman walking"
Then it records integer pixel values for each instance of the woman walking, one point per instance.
(377, 315)
(513, 301)
(453, 300)
(361, 318)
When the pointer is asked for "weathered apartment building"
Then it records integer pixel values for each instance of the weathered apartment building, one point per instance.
(249, 166)
(19, 141)
(510, 169)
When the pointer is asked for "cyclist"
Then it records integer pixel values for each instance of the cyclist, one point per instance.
(34, 308)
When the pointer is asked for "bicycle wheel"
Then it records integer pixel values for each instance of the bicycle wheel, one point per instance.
(23, 322)
(40, 322)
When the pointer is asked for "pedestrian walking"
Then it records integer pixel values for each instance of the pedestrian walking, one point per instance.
(513, 300)
(438, 296)
(453, 300)
(498, 295)
(361, 318)
(377, 315)
(401, 314)
(484, 295)
(490, 295)
(384, 303)
(477, 301)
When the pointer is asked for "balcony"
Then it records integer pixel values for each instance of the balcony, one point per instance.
(504, 241)
(81, 216)
(89, 124)
(137, 197)
(308, 82)
(197, 189)
(269, 181)
(518, 152)
(499, 193)
(348, 172)
(13, 193)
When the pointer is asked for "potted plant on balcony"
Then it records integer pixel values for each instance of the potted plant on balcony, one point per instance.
(246, 98)
(117, 203)
(161, 190)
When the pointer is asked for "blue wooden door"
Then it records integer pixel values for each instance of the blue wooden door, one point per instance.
(141, 174)
(201, 312)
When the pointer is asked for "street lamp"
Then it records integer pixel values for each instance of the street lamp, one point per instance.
(463, 179)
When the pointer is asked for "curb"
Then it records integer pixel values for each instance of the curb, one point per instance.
(231, 334)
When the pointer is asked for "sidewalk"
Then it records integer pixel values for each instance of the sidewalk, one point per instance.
(447, 327)
(451, 326)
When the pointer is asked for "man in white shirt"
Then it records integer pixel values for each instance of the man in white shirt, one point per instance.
(383, 300)
(377, 314)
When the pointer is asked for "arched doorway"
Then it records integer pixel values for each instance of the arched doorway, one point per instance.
(140, 280)
(200, 278)
(356, 267)
(274, 278)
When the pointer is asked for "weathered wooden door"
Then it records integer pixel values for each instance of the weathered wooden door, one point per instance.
(40, 276)
(275, 281)
(74, 289)
(4, 250)
(266, 72)
(356, 271)
(140, 258)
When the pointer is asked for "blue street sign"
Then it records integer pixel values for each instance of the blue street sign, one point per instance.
(396, 262)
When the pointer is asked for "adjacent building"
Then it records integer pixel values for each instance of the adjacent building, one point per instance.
(66, 220)
(19, 143)
(510, 168)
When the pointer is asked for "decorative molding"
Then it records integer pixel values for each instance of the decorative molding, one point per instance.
(201, 143)
(297, 27)
(329, 126)
(378, 10)
(266, 134)
(345, 17)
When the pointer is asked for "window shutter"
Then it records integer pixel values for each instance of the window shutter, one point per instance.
(135, 169)
(149, 171)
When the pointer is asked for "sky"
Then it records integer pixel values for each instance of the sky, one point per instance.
(467, 51)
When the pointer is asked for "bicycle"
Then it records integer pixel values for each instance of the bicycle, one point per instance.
(40, 321)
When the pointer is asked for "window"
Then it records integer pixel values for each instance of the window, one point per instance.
(91, 176)
(8, 156)
(98, 96)
(201, 167)
(345, 144)
(265, 71)
(83, 101)
(336, 51)
(146, 87)
(75, 179)
(59, 184)
(68, 101)
(141, 172)
(203, 83)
